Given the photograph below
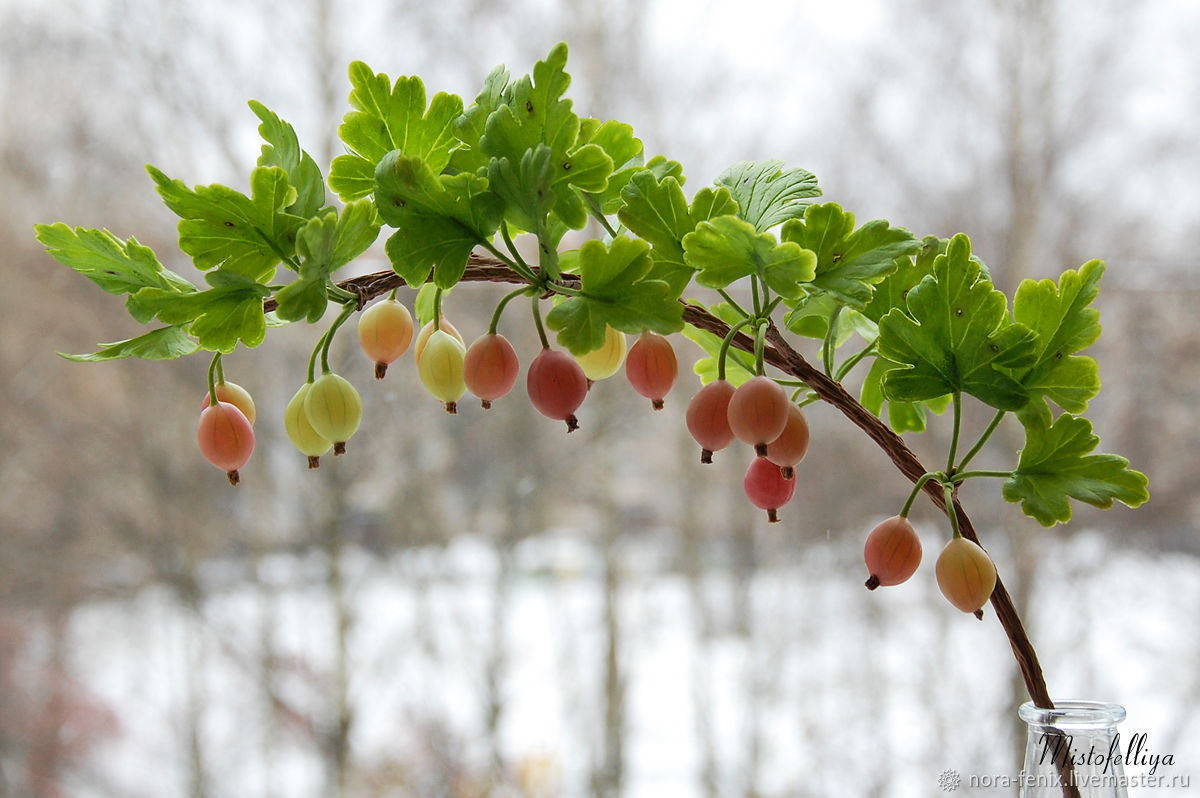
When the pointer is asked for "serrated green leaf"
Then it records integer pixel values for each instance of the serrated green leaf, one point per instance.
(1065, 322)
(656, 210)
(229, 311)
(439, 219)
(626, 152)
(892, 292)
(1057, 465)
(901, 416)
(469, 127)
(282, 149)
(391, 117)
(849, 262)
(305, 298)
(527, 187)
(221, 227)
(332, 240)
(615, 292)
(956, 337)
(325, 244)
(165, 343)
(739, 365)
(537, 114)
(118, 267)
(727, 249)
(766, 195)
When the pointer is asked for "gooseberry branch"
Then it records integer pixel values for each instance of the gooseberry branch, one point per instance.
(779, 354)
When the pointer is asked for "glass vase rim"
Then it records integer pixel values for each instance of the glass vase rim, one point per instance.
(1073, 713)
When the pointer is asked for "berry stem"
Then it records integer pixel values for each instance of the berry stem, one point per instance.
(917, 488)
(760, 344)
(948, 490)
(500, 308)
(213, 368)
(312, 359)
(537, 321)
(729, 336)
(347, 309)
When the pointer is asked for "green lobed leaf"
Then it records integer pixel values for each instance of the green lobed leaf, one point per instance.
(901, 416)
(469, 126)
(439, 219)
(325, 244)
(391, 117)
(656, 210)
(282, 149)
(616, 292)
(165, 343)
(727, 248)
(626, 152)
(956, 337)
(1057, 465)
(229, 311)
(537, 113)
(118, 267)
(766, 195)
(221, 227)
(892, 291)
(1065, 322)
(849, 262)
(527, 187)
(739, 365)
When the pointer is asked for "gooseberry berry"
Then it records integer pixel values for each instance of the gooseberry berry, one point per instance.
(441, 368)
(237, 396)
(602, 363)
(892, 552)
(384, 331)
(556, 386)
(766, 488)
(708, 419)
(966, 575)
(226, 438)
(651, 367)
(758, 412)
(334, 409)
(428, 330)
(300, 430)
(490, 368)
(792, 444)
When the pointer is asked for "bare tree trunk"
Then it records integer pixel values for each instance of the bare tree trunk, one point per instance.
(194, 674)
(609, 780)
(693, 544)
(337, 738)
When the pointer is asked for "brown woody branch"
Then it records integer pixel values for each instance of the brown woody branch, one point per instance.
(783, 357)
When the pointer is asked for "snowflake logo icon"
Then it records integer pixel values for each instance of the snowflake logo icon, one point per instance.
(949, 780)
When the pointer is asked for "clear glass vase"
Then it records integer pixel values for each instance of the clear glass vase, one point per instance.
(1073, 751)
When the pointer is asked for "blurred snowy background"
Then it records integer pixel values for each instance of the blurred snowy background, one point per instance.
(482, 606)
